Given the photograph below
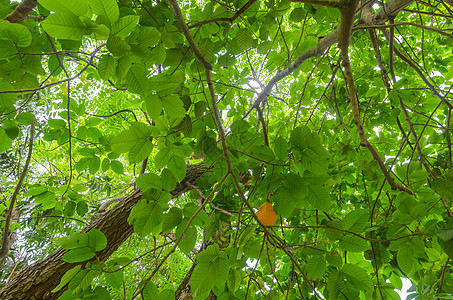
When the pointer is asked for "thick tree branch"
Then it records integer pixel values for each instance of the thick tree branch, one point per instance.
(389, 9)
(344, 34)
(37, 281)
(21, 11)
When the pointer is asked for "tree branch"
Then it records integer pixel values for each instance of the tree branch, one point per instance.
(5, 244)
(113, 223)
(21, 11)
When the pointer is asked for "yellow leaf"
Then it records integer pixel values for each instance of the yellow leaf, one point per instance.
(266, 214)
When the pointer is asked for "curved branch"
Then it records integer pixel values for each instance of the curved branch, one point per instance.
(5, 244)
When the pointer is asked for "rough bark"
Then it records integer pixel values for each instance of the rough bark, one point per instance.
(21, 11)
(39, 279)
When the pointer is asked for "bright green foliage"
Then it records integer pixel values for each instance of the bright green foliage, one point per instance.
(154, 145)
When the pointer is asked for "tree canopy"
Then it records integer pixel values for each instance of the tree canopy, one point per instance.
(226, 149)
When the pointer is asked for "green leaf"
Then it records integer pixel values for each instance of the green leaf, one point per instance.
(107, 66)
(209, 254)
(178, 167)
(299, 137)
(206, 46)
(148, 37)
(318, 197)
(11, 128)
(264, 47)
(124, 141)
(158, 56)
(284, 202)
(97, 240)
(315, 267)
(108, 8)
(64, 26)
(78, 255)
(405, 258)
(353, 243)
(57, 123)
(16, 33)
(153, 105)
(356, 220)
(5, 141)
(148, 181)
(263, 153)
(163, 157)
(313, 162)
(25, 118)
(97, 31)
(358, 277)
(140, 151)
(244, 39)
(281, 148)
(37, 190)
(168, 180)
(234, 279)
(75, 7)
(117, 167)
(189, 238)
(172, 219)
(297, 14)
(150, 292)
(202, 280)
(82, 280)
(118, 47)
(334, 284)
(95, 163)
(137, 81)
(150, 221)
(76, 240)
(67, 277)
(115, 279)
(124, 26)
(221, 268)
(173, 106)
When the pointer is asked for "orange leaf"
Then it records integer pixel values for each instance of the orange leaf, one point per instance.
(266, 214)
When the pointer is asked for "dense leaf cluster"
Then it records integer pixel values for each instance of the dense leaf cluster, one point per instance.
(179, 119)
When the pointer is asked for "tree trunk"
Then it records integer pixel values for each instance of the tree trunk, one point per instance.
(39, 279)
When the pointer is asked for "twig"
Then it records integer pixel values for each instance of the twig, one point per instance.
(414, 135)
(4, 249)
(60, 81)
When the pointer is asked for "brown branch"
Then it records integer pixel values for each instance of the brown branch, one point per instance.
(29, 283)
(393, 25)
(317, 51)
(231, 19)
(5, 245)
(420, 73)
(221, 132)
(114, 114)
(21, 11)
(414, 135)
(327, 3)
(60, 81)
(189, 37)
(344, 34)
(178, 240)
(391, 49)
